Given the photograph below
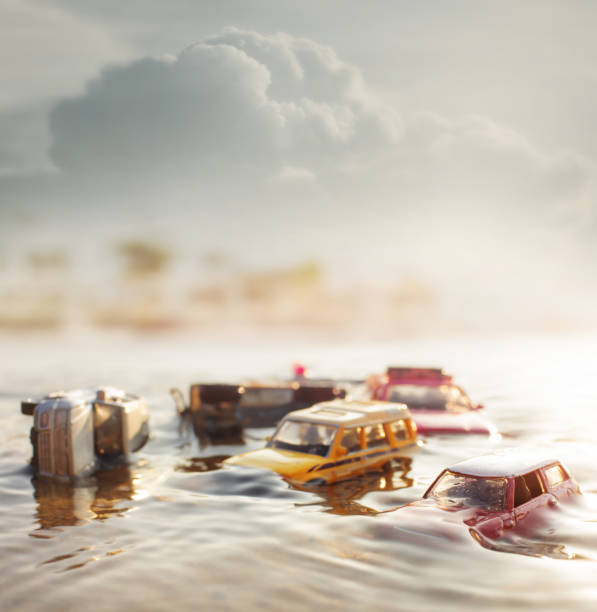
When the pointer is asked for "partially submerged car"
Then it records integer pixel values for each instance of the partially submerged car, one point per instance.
(334, 440)
(490, 494)
(220, 410)
(74, 432)
(437, 405)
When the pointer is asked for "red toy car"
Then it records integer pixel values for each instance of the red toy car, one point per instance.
(490, 494)
(437, 405)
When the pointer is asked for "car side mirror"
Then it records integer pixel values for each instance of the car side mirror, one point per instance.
(341, 451)
(268, 438)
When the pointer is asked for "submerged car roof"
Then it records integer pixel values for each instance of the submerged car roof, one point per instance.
(417, 376)
(506, 463)
(351, 412)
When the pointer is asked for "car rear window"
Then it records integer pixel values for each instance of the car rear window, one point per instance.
(375, 435)
(399, 430)
(555, 475)
(351, 439)
(527, 487)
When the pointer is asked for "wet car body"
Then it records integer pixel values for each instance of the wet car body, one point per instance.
(75, 432)
(492, 495)
(223, 409)
(334, 440)
(437, 405)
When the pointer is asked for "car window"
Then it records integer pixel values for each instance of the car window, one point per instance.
(417, 396)
(527, 487)
(456, 397)
(457, 490)
(555, 475)
(399, 429)
(430, 398)
(304, 437)
(351, 439)
(375, 435)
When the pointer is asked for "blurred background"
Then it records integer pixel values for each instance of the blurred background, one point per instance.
(382, 170)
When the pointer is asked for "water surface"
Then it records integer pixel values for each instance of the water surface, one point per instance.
(173, 529)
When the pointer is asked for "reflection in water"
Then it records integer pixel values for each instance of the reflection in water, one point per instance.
(338, 498)
(525, 546)
(223, 436)
(201, 464)
(341, 497)
(61, 504)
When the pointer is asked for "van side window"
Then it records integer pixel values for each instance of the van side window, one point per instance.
(351, 439)
(375, 435)
(555, 475)
(526, 488)
(399, 430)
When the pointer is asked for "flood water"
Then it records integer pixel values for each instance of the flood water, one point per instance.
(173, 531)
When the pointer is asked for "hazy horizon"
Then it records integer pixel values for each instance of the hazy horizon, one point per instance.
(391, 143)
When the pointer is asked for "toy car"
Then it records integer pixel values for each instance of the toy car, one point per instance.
(490, 494)
(220, 410)
(334, 440)
(72, 432)
(437, 405)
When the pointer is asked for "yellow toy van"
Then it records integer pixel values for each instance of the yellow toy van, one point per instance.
(334, 440)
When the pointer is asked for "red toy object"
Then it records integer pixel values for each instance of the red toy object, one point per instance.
(436, 403)
(490, 494)
(299, 371)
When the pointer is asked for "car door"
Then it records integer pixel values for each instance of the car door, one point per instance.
(401, 432)
(353, 441)
(378, 445)
(529, 496)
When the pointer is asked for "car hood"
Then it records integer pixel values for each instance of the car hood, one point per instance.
(286, 463)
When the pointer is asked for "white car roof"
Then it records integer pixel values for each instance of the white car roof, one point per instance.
(508, 463)
(351, 412)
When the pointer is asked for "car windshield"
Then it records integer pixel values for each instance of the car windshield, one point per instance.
(457, 490)
(304, 437)
(432, 398)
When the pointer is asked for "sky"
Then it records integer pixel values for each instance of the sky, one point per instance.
(451, 142)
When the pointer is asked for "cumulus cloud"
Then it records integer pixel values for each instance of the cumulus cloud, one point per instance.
(476, 159)
(256, 106)
(243, 108)
(24, 140)
(244, 125)
(239, 99)
(261, 107)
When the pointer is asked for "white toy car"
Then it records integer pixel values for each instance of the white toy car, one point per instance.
(73, 432)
